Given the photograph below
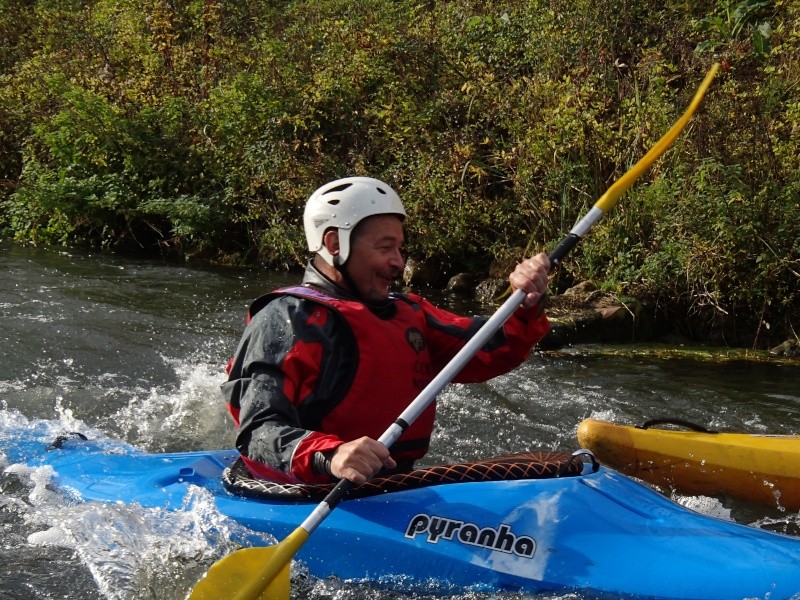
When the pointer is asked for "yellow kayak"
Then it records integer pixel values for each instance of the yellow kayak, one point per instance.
(757, 468)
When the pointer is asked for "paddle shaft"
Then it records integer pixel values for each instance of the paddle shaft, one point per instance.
(421, 402)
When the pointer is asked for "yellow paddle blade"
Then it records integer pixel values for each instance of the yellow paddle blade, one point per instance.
(228, 577)
(609, 199)
(251, 573)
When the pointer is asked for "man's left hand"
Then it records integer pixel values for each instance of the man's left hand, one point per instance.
(531, 276)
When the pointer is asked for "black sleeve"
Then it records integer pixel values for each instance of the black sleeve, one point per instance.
(271, 424)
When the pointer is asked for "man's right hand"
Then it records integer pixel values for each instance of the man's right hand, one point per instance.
(360, 460)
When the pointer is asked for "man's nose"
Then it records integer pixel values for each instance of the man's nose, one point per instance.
(398, 260)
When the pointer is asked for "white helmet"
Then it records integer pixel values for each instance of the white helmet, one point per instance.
(342, 204)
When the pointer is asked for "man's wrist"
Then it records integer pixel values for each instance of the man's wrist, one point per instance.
(321, 463)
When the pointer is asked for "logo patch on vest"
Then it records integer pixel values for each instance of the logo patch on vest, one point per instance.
(415, 339)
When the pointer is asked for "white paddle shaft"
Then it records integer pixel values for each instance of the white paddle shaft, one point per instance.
(453, 368)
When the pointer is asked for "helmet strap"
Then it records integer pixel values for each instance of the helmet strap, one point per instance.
(345, 272)
(332, 259)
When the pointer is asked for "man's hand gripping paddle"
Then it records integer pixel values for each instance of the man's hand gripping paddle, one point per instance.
(263, 572)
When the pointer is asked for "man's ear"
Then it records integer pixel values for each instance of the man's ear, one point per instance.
(330, 240)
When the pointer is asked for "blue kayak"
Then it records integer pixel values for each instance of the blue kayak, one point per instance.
(596, 531)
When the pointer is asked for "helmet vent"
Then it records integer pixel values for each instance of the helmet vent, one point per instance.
(381, 191)
(339, 188)
(334, 202)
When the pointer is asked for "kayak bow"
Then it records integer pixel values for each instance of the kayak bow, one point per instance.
(757, 468)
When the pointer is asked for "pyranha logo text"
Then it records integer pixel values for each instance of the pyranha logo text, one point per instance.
(500, 538)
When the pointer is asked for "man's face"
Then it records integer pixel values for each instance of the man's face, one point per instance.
(375, 260)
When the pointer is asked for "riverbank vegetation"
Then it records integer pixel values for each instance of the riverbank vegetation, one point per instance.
(197, 129)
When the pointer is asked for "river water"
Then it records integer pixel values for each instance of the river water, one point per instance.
(134, 351)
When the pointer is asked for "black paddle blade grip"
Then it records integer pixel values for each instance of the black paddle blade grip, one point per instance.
(562, 249)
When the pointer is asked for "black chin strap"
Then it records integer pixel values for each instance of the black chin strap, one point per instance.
(384, 310)
(351, 290)
(351, 285)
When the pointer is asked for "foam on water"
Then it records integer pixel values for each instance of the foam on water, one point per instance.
(134, 552)
(131, 552)
(705, 505)
(188, 416)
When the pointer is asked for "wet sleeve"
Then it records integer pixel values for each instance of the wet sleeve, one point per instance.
(273, 370)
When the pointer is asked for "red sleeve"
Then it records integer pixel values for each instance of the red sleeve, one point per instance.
(276, 367)
(506, 350)
(303, 459)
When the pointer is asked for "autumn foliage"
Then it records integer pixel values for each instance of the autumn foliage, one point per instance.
(198, 128)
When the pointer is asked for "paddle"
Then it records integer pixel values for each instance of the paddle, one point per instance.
(263, 572)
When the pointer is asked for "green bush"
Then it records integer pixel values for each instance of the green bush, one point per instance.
(201, 128)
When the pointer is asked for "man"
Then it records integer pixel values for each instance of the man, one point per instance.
(324, 368)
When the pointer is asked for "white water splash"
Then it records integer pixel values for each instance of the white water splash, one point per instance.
(189, 416)
(131, 552)
(705, 505)
(134, 552)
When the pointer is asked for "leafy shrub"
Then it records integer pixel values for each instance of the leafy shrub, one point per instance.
(202, 127)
